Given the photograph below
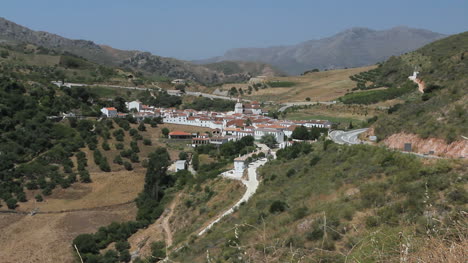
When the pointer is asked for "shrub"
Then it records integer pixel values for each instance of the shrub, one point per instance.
(122, 245)
(183, 156)
(86, 244)
(291, 172)
(278, 207)
(372, 221)
(147, 142)
(104, 165)
(134, 158)
(105, 146)
(119, 146)
(133, 132)
(142, 127)
(128, 166)
(300, 212)
(11, 203)
(118, 160)
(158, 250)
(458, 196)
(38, 198)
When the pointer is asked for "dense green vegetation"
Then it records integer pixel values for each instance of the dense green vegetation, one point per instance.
(202, 103)
(321, 202)
(374, 96)
(302, 133)
(368, 80)
(32, 146)
(442, 110)
(150, 207)
(281, 84)
(24, 61)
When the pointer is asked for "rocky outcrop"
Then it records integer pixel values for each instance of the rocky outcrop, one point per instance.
(455, 149)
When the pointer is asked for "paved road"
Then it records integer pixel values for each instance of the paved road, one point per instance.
(351, 137)
(302, 103)
(346, 137)
(251, 185)
(211, 96)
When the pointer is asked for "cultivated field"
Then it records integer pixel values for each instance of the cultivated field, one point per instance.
(318, 86)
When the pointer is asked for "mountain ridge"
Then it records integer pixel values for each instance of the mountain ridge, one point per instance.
(145, 62)
(354, 47)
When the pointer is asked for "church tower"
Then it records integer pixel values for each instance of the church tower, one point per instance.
(239, 108)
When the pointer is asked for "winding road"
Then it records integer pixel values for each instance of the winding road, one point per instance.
(251, 185)
(351, 137)
(346, 137)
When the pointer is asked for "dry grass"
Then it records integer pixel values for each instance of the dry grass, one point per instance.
(47, 237)
(319, 86)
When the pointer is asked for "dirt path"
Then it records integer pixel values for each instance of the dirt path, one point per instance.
(165, 221)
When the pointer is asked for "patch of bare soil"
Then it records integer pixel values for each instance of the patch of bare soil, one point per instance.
(48, 237)
(160, 230)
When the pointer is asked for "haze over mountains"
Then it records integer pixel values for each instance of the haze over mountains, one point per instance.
(354, 47)
(135, 60)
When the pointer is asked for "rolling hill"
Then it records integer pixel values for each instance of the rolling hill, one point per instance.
(441, 112)
(354, 47)
(144, 62)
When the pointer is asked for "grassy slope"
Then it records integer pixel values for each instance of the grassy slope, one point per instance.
(441, 113)
(319, 86)
(366, 207)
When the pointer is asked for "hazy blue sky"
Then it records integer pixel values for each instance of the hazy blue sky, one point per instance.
(193, 29)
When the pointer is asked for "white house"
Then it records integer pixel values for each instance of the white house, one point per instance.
(260, 132)
(135, 105)
(239, 166)
(110, 112)
(414, 76)
(180, 165)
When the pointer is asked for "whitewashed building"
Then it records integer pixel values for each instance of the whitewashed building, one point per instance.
(109, 112)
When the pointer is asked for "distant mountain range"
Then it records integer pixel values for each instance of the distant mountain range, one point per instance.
(145, 62)
(354, 47)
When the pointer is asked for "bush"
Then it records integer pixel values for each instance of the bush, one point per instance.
(122, 245)
(38, 198)
(315, 234)
(458, 196)
(142, 127)
(278, 207)
(158, 250)
(300, 212)
(183, 156)
(118, 160)
(372, 221)
(11, 203)
(86, 244)
(105, 146)
(128, 166)
(84, 176)
(119, 146)
(147, 142)
(104, 165)
(165, 132)
(134, 158)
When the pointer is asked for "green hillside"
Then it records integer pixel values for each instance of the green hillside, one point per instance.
(442, 110)
(321, 203)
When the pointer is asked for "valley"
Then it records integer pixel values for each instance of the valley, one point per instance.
(110, 155)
